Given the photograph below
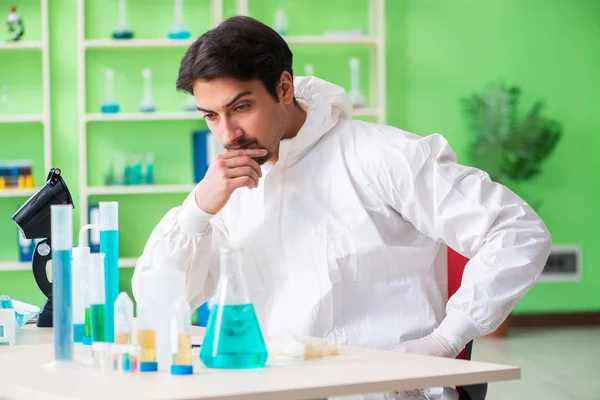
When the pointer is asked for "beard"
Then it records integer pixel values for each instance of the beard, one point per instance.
(279, 124)
(248, 143)
(263, 159)
(244, 142)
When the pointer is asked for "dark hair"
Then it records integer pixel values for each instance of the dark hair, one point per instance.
(240, 48)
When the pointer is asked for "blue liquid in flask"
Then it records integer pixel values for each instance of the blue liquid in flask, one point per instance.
(233, 339)
(179, 35)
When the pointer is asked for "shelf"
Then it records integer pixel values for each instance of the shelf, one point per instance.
(139, 189)
(14, 266)
(166, 43)
(365, 112)
(26, 266)
(135, 43)
(11, 119)
(25, 45)
(18, 192)
(331, 39)
(155, 116)
(183, 115)
(127, 262)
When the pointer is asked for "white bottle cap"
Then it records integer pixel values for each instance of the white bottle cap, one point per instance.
(109, 216)
(80, 252)
(61, 226)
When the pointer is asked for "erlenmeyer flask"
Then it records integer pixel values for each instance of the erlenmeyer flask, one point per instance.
(233, 337)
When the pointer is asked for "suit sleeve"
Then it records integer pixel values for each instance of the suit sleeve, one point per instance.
(186, 238)
(506, 241)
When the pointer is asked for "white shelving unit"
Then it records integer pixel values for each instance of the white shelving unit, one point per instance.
(154, 116)
(21, 45)
(166, 43)
(135, 43)
(14, 266)
(44, 118)
(139, 189)
(19, 119)
(17, 192)
(375, 41)
(84, 45)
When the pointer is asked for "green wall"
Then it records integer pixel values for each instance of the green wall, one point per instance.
(437, 52)
(549, 49)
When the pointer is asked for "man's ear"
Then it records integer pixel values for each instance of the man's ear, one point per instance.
(286, 88)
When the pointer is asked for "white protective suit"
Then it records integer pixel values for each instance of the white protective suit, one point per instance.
(343, 235)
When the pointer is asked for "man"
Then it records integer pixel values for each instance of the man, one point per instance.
(342, 221)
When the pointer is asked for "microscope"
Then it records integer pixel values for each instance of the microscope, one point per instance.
(33, 219)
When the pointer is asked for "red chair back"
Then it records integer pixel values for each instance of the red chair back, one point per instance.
(456, 267)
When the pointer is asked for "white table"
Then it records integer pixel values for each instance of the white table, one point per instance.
(354, 371)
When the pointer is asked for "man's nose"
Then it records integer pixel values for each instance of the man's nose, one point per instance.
(231, 132)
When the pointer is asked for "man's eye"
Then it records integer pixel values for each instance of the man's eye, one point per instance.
(242, 107)
(209, 117)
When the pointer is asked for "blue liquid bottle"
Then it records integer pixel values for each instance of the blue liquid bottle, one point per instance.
(233, 337)
(109, 245)
(179, 31)
(110, 105)
(61, 226)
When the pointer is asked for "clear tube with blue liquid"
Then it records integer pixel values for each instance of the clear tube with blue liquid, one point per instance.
(61, 226)
(109, 245)
(81, 260)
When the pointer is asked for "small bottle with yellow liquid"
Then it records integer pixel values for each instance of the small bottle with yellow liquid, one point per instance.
(181, 340)
(146, 338)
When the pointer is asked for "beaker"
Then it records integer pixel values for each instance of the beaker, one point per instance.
(233, 338)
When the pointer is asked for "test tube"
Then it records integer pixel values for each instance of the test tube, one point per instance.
(123, 327)
(61, 228)
(109, 245)
(81, 260)
(146, 339)
(97, 297)
(181, 340)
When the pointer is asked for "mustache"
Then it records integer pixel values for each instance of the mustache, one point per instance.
(240, 142)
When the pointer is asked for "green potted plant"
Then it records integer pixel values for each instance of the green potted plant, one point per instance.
(509, 148)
